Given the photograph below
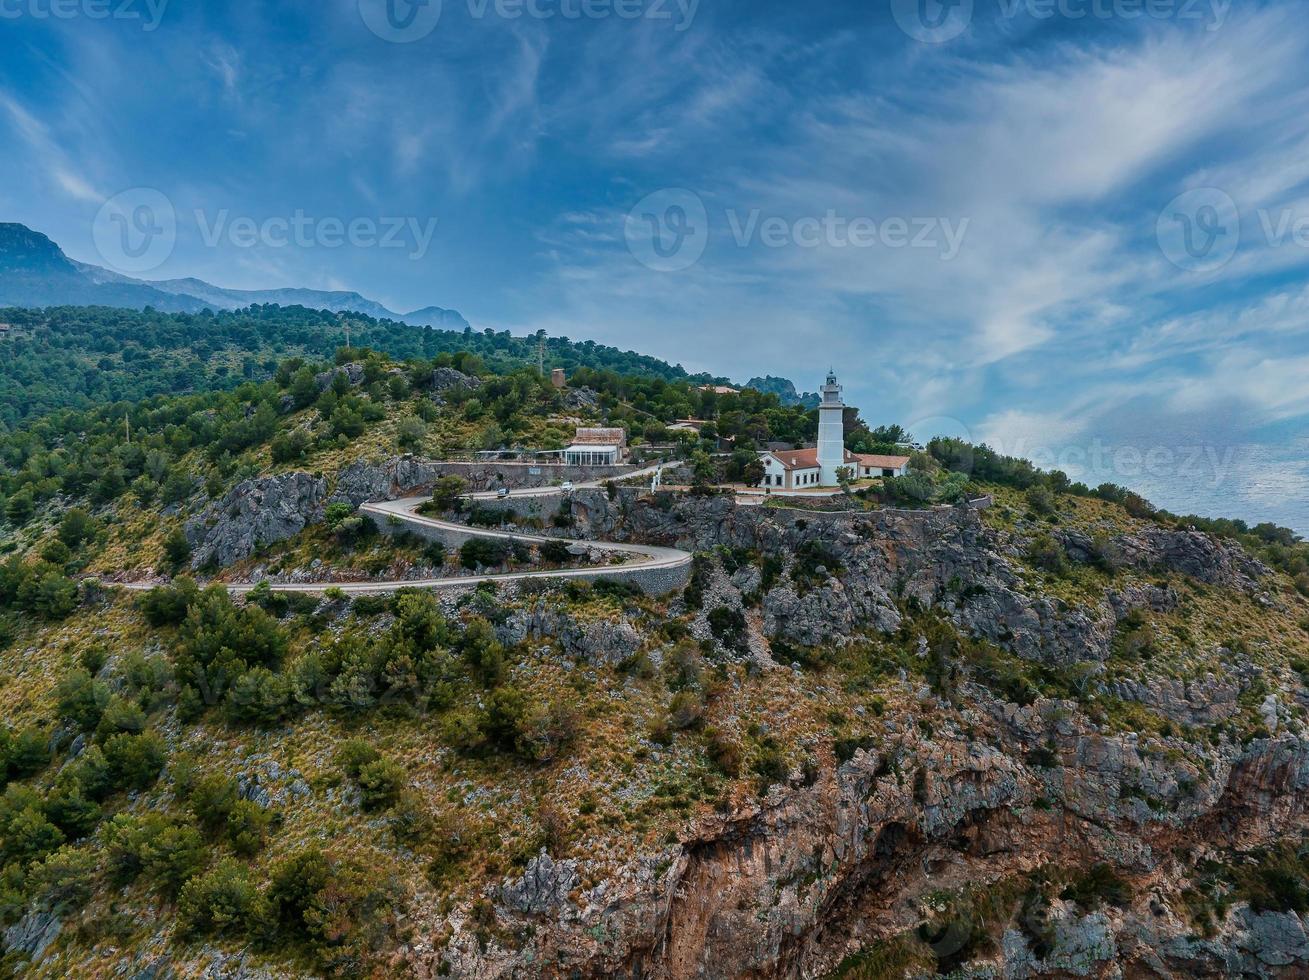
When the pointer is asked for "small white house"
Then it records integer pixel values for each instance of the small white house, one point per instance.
(597, 447)
(796, 469)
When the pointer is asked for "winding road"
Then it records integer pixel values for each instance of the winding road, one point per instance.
(649, 558)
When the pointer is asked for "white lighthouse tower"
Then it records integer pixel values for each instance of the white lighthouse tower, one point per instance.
(831, 431)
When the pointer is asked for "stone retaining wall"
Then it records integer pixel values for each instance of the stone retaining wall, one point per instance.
(406, 476)
(519, 476)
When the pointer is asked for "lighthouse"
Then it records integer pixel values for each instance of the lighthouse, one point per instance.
(831, 431)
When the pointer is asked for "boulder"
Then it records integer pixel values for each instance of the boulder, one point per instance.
(446, 378)
(361, 482)
(33, 934)
(257, 512)
(352, 372)
(544, 887)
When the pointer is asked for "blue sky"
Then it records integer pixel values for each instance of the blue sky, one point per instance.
(1078, 229)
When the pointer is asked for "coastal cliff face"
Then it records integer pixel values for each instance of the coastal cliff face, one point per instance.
(913, 750)
(790, 886)
(960, 830)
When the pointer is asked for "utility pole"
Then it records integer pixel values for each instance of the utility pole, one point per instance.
(540, 353)
(127, 424)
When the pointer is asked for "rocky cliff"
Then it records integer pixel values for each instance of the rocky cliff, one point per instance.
(1057, 775)
(962, 796)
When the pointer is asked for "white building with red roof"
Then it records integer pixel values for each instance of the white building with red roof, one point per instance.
(796, 469)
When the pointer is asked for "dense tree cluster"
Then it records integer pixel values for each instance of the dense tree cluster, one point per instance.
(646, 405)
(77, 357)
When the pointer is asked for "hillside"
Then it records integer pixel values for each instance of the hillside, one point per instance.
(1058, 735)
(76, 357)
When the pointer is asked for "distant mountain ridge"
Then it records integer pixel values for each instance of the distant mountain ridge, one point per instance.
(34, 271)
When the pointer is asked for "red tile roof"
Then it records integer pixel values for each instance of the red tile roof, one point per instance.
(797, 459)
(807, 459)
(879, 462)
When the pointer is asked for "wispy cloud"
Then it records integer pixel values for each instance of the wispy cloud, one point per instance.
(47, 155)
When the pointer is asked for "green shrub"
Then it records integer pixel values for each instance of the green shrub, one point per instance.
(723, 751)
(1277, 882)
(354, 754)
(339, 910)
(259, 697)
(65, 878)
(120, 716)
(91, 771)
(135, 761)
(26, 834)
(380, 783)
(447, 491)
(172, 854)
(224, 900)
(483, 552)
(167, 605)
(1048, 555)
(212, 798)
(482, 652)
(434, 554)
(1041, 500)
(23, 754)
(247, 827)
(177, 549)
(1100, 885)
(728, 626)
(555, 552)
(70, 808)
(76, 527)
(770, 763)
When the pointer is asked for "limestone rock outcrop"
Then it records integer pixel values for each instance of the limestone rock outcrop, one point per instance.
(256, 512)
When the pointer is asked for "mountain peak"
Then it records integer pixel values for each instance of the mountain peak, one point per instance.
(34, 271)
(24, 251)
